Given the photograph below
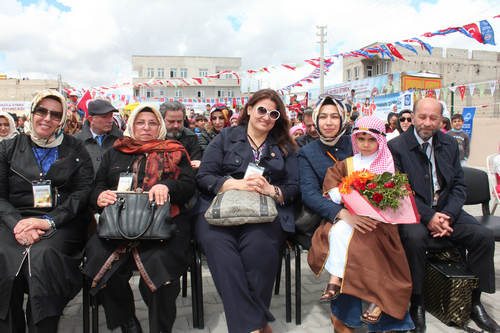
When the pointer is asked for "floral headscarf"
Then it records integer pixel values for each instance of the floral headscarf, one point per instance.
(329, 100)
(376, 128)
(12, 126)
(57, 137)
(162, 130)
(221, 108)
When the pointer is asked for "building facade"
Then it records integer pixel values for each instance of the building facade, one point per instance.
(24, 90)
(169, 68)
(456, 66)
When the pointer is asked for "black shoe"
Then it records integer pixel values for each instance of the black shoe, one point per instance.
(483, 320)
(417, 314)
(131, 326)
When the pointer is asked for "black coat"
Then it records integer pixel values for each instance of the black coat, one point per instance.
(190, 141)
(60, 255)
(410, 159)
(163, 261)
(229, 153)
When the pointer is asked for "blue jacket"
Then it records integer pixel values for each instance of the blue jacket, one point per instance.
(410, 159)
(314, 163)
(229, 153)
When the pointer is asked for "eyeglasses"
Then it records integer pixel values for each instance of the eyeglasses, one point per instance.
(142, 123)
(369, 129)
(262, 111)
(402, 119)
(42, 112)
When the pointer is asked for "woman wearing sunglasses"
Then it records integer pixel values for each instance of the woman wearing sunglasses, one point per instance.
(244, 259)
(46, 179)
(219, 119)
(405, 120)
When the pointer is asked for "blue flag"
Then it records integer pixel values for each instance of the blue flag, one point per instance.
(487, 32)
(468, 114)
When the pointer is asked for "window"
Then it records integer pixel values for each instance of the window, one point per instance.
(173, 72)
(220, 92)
(378, 69)
(356, 73)
(150, 92)
(385, 67)
(150, 72)
(161, 72)
(230, 92)
(178, 92)
(162, 93)
(184, 73)
(227, 76)
(201, 93)
(203, 71)
(369, 71)
(348, 75)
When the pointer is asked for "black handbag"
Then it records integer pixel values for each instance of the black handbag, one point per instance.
(134, 217)
(306, 221)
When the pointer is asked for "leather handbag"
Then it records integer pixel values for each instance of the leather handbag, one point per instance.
(235, 207)
(134, 217)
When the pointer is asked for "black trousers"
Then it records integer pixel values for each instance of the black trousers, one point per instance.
(117, 299)
(467, 232)
(243, 261)
(15, 322)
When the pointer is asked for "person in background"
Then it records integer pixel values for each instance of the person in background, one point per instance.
(207, 108)
(219, 118)
(192, 125)
(457, 121)
(173, 113)
(496, 169)
(392, 119)
(200, 122)
(405, 120)
(445, 125)
(192, 115)
(296, 131)
(351, 99)
(20, 124)
(46, 180)
(311, 131)
(234, 120)
(99, 131)
(7, 126)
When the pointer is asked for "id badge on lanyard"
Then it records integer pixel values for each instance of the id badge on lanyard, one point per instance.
(125, 182)
(253, 168)
(42, 193)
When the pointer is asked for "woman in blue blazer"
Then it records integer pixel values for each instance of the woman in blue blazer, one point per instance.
(244, 259)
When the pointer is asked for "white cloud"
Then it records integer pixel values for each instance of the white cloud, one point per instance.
(93, 43)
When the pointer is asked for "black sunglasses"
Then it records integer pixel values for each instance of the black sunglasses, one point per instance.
(42, 112)
(402, 119)
(369, 129)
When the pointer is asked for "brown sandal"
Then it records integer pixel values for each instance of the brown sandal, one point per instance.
(372, 314)
(331, 293)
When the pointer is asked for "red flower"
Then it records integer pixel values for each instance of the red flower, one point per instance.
(371, 186)
(390, 185)
(377, 197)
(356, 184)
(362, 187)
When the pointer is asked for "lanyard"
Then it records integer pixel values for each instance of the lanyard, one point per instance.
(42, 175)
(257, 158)
(333, 158)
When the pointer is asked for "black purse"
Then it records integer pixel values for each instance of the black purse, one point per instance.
(134, 217)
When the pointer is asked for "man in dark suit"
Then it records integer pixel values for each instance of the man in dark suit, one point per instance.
(432, 162)
(311, 132)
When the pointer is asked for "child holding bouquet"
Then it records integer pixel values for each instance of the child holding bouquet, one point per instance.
(365, 262)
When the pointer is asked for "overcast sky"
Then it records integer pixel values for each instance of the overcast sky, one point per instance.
(91, 43)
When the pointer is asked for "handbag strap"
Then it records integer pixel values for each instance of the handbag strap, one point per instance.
(121, 203)
(263, 205)
(264, 211)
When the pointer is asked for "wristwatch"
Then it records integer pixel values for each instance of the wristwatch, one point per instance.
(276, 192)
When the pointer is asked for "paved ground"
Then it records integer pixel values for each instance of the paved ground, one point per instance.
(315, 316)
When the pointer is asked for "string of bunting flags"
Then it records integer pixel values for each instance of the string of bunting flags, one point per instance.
(480, 31)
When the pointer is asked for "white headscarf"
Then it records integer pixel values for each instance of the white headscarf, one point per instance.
(162, 130)
(57, 137)
(12, 126)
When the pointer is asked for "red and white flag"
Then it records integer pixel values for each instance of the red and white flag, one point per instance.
(84, 103)
(395, 51)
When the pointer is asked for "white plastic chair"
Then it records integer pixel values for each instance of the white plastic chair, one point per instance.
(493, 180)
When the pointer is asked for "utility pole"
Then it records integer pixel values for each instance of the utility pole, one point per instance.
(322, 42)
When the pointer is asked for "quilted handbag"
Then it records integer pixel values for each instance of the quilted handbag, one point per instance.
(134, 217)
(235, 207)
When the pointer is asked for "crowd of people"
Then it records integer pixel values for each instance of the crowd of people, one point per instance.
(54, 177)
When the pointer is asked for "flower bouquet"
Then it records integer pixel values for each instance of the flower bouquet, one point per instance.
(386, 197)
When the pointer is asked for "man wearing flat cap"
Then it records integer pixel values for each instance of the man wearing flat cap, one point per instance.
(99, 132)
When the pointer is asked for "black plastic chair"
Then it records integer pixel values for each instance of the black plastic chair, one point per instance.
(91, 305)
(479, 192)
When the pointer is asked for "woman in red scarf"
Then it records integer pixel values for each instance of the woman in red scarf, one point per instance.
(161, 167)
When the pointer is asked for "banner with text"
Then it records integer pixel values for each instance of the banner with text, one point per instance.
(468, 114)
